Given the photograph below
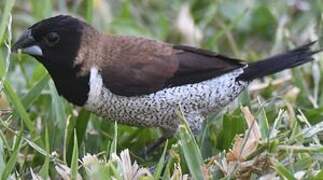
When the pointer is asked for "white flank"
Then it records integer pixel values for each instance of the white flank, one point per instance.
(159, 109)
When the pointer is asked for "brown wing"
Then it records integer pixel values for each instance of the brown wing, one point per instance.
(141, 66)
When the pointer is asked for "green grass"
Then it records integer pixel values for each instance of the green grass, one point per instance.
(42, 135)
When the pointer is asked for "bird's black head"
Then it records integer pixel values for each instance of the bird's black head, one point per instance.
(55, 43)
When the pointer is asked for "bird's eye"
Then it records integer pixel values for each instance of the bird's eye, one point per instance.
(52, 38)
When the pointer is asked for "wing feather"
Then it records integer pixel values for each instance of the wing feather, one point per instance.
(145, 66)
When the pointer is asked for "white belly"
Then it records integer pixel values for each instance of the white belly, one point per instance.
(159, 109)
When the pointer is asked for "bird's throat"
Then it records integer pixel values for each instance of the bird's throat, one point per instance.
(71, 86)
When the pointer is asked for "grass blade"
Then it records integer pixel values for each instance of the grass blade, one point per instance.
(68, 139)
(5, 18)
(161, 163)
(82, 121)
(283, 171)
(2, 162)
(13, 157)
(318, 176)
(191, 153)
(41, 9)
(58, 107)
(35, 92)
(44, 171)
(74, 164)
(264, 124)
(88, 10)
(36, 147)
(80, 124)
(190, 150)
(17, 105)
(113, 148)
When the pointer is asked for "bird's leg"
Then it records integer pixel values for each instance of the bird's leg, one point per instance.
(195, 121)
(152, 147)
(166, 133)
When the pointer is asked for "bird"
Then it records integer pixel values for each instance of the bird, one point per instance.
(143, 82)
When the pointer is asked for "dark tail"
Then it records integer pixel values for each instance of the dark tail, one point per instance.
(278, 63)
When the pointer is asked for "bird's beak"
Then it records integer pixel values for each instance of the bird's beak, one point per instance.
(27, 44)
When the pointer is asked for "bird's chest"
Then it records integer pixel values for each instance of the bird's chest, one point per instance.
(159, 109)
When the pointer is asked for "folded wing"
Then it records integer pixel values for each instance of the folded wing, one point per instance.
(142, 66)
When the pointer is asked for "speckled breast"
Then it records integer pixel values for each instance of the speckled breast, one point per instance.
(159, 109)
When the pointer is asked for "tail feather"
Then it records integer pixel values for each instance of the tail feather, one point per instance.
(278, 63)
